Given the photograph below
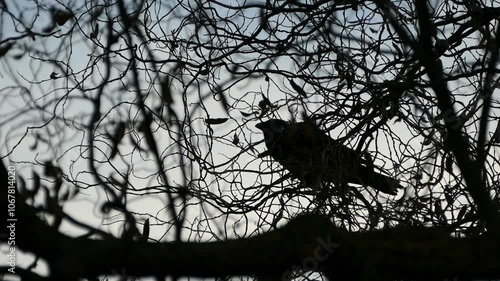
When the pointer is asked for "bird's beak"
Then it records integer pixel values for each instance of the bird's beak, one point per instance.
(260, 126)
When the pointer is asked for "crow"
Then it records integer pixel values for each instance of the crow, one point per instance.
(313, 157)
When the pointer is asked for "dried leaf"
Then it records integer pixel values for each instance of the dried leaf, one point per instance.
(116, 138)
(398, 50)
(145, 231)
(215, 121)
(5, 48)
(52, 171)
(166, 93)
(236, 140)
(449, 163)
(462, 212)
(297, 88)
(265, 102)
(428, 139)
(438, 209)
(496, 135)
(247, 114)
(36, 185)
(61, 17)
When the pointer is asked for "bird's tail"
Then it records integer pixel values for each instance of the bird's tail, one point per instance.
(381, 182)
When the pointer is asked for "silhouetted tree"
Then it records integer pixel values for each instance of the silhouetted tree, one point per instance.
(147, 111)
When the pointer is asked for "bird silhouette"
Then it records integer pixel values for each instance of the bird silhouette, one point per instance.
(313, 157)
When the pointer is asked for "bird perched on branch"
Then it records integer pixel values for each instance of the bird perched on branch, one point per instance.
(313, 157)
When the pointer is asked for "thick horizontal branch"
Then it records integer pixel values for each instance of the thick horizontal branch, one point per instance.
(311, 241)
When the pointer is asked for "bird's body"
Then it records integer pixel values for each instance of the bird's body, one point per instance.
(314, 157)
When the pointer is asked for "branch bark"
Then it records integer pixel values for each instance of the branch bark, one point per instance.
(308, 241)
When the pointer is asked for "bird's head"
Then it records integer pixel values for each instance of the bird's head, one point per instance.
(272, 129)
